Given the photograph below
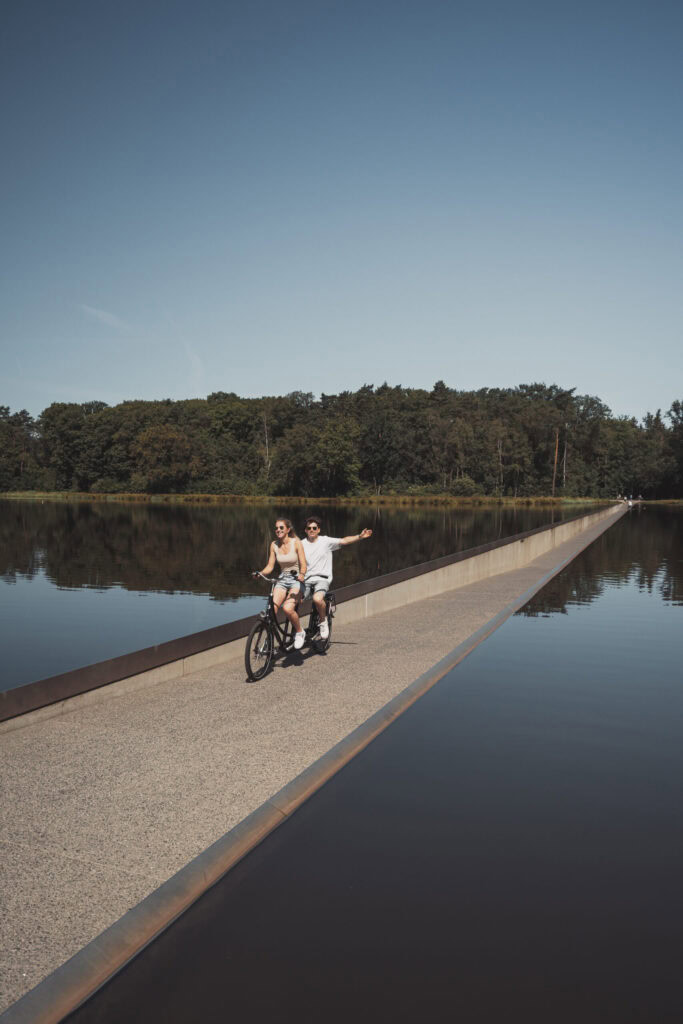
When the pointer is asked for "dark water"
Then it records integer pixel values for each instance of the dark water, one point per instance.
(509, 850)
(83, 582)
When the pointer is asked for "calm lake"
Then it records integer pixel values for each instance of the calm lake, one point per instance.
(508, 850)
(82, 582)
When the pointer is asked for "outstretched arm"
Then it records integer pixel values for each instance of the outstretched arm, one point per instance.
(363, 535)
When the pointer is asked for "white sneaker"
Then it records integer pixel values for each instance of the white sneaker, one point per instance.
(324, 630)
(299, 640)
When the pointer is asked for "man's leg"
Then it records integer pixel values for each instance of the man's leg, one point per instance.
(321, 608)
(319, 602)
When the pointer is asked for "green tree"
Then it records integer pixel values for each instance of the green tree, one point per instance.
(319, 463)
(19, 466)
(64, 442)
(163, 459)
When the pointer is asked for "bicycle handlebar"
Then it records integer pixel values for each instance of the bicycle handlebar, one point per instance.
(288, 572)
(315, 575)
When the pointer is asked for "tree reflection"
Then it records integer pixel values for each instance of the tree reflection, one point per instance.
(173, 549)
(645, 548)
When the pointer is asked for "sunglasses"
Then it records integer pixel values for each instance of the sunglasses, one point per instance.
(313, 527)
(280, 529)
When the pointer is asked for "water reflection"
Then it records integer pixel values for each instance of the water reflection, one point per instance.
(82, 582)
(644, 549)
(509, 849)
(172, 549)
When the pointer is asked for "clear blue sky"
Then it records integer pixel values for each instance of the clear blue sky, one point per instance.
(264, 197)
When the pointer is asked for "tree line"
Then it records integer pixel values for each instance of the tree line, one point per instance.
(530, 440)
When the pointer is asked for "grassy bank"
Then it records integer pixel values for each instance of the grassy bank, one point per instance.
(240, 499)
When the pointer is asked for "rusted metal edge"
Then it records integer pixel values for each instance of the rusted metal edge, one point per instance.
(32, 696)
(79, 978)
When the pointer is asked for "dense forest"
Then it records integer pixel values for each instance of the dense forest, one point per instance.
(530, 440)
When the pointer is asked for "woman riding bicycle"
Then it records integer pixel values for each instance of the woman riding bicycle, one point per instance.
(287, 551)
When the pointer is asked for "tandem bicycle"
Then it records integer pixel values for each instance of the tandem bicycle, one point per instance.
(267, 634)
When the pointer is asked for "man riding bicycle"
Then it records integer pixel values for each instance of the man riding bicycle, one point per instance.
(318, 551)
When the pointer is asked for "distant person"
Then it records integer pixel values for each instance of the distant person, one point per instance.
(318, 550)
(287, 550)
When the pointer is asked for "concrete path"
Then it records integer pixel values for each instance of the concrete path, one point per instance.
(102, 805)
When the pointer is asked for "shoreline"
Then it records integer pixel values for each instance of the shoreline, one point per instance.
(473, 501)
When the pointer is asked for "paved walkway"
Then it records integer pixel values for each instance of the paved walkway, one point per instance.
(102, 805)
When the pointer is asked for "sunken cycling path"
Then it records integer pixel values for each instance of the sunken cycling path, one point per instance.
(103, 804)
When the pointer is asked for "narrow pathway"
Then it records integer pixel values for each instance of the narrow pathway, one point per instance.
(102, 805)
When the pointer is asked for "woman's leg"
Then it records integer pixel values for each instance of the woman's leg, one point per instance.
(290, 611)
(279, 594)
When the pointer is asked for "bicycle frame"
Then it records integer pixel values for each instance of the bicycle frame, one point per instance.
(283, 633)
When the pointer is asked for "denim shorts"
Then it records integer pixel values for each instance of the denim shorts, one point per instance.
(315, 585)
(289, 583)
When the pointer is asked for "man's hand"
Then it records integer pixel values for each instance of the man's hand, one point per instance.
(363, 535)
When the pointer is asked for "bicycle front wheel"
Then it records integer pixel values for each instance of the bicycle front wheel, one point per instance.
(259, 651)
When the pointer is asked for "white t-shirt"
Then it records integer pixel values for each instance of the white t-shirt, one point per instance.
(319, 555)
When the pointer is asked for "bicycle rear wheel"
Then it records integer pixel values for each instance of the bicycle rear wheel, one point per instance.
(259, 650)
